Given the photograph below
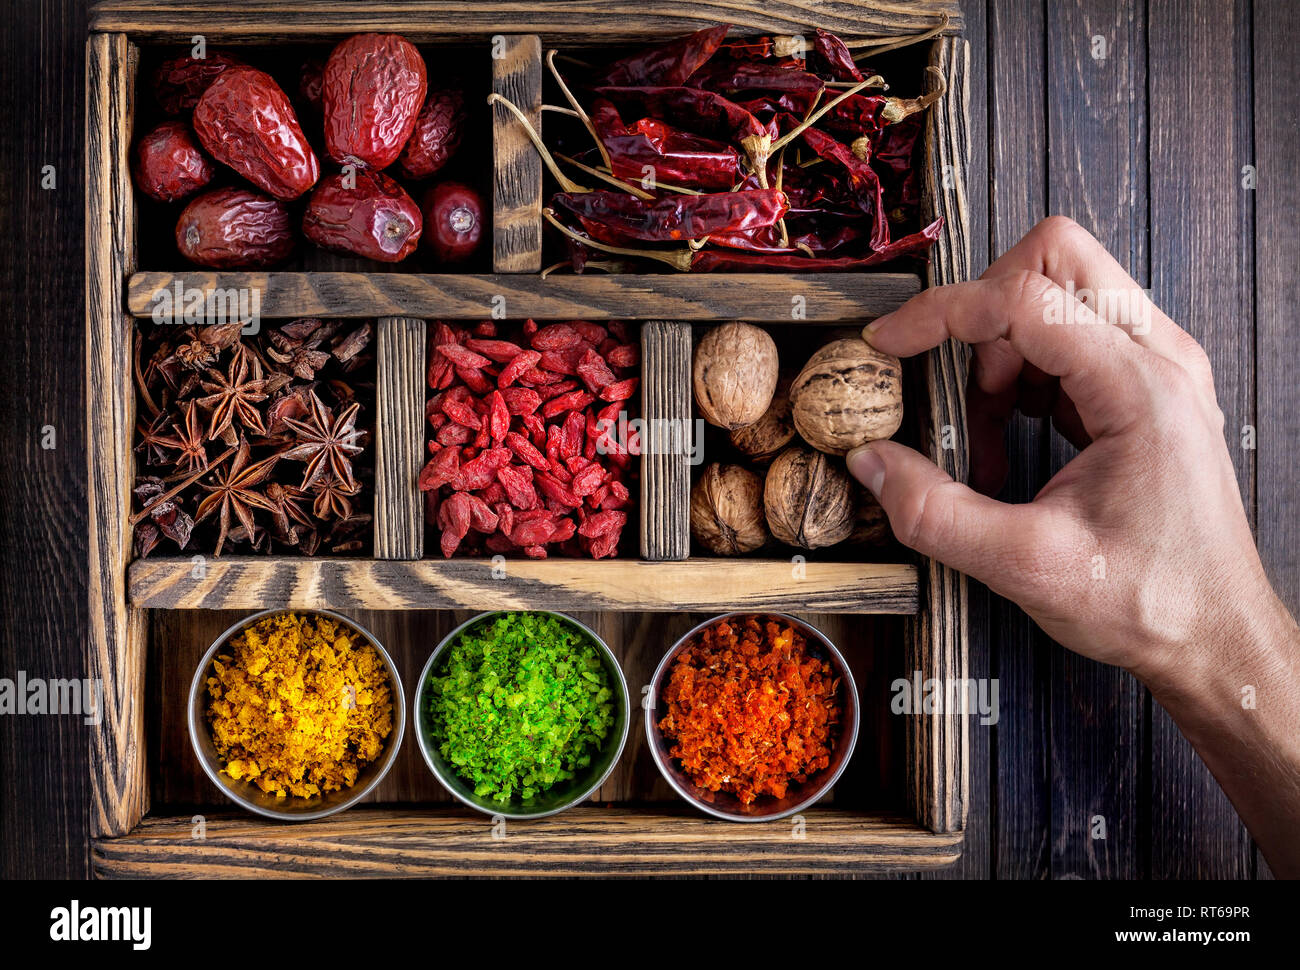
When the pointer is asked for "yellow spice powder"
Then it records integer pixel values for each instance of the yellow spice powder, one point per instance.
(297, 707)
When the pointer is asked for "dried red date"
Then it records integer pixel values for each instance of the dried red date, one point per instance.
(373, 88)
(245, 121)
(180, 82)
(437, 134)
(454, 214)
(169, 164)
(234, 229)
(374, 217)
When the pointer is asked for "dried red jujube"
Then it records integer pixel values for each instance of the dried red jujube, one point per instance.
(235, 229)
(180, 82)
(374, 86)
(453, 213)
(365, 213)
(169, 165)
(437, 134)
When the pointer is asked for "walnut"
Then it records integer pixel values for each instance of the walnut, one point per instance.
(809, 499)
(727, 510)
(735, 374)
(847, 394)
(767, 437)
(870, 524)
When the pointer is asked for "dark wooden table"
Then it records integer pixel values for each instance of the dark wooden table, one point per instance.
(1168, 128)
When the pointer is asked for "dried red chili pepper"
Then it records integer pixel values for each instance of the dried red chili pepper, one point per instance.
(676, 217)
(916, 244)
(169, 164)
(374, 87)
(832, 57)
(860, 177)
(235, 229)
(669, 63)
(245, 121)
(673, 157)
(437, 134)
(730, 77)
(180, 82)
(365, 213)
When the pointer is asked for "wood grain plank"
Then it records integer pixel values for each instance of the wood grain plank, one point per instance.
(399, 439)
(976, 856)
(584, 841)
(1201, 272)
(562, 584)
(568, 21)
(827, 297)
(665, 457)
(1017, 172)
(938, 754)
(516, 167)
(1277, 293)
(1096, 123)
(117, 631)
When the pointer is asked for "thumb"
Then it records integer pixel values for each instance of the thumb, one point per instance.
(942, 518)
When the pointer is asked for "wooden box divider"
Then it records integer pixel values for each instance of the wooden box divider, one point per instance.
(665, 459)
(399, 434)
(402, 577)
(516, 168)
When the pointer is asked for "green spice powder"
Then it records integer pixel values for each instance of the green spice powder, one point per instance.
(520, 703)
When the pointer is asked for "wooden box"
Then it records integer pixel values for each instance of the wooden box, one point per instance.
(902, 803)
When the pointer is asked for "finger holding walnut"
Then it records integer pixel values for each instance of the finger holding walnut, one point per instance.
(847, 394)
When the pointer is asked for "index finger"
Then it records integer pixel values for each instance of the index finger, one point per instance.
(1106, 374)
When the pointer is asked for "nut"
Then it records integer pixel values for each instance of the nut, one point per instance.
(767, 437)
(808, 499)
(847, 394)
(735, 374)
(727, 510)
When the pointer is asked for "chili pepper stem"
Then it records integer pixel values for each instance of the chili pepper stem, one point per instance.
(605, 176)
(565, 182)
(882, 45)
(758, 148)
(591, 129)
(679, 260)
(816, 116)
(896, 109)
(559, 109)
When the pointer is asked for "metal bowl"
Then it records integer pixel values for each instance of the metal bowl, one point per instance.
(292, 808)
(725, 805)
(554, 799)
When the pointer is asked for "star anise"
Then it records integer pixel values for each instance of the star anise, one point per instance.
(290, 512)
(333, 499)
(152, 439)
(326, 443)
(190, 441)
(235, 492)
(234, 394)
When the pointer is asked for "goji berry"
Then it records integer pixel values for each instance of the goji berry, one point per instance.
(620, 390)
(532, 533)
(502, 351)
(556, 336)
(498, 417)
(463, 356)
(521, 400)
(572, 401)
(624, 355)
(526, 450)
(593, 333)
(474, 380)
(521, 363)
(517, 481)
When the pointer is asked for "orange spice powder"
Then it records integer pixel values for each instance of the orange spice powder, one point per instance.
(749, 710)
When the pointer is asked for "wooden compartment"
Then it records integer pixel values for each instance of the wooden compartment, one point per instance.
(902, 803)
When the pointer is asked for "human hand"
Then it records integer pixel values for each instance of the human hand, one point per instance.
(1138, 551)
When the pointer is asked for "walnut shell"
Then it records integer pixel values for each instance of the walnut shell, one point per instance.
(727, 510)
(767, 437)
(735, 372)
(808, 499)
(870, 524)
(847, 394)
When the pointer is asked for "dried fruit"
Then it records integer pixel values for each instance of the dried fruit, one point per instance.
(169, 164)
(180, 82)
(735, 374)
(768, 436)
(245, 121)
(234, 229)
(808, 499)
(373, 88)
(727, 514)
(437, 134)
(374, 217)
(847, 394)
(453, 213)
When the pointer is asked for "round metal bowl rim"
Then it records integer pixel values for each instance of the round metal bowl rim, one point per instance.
(850, 734)
(423, 742)
(394, 740)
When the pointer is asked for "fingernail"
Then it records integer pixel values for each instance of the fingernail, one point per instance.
(874, 327)
(867, 467)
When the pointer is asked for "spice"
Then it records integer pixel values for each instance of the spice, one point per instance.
(521, 703)
(297, 706)
(749, 710)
